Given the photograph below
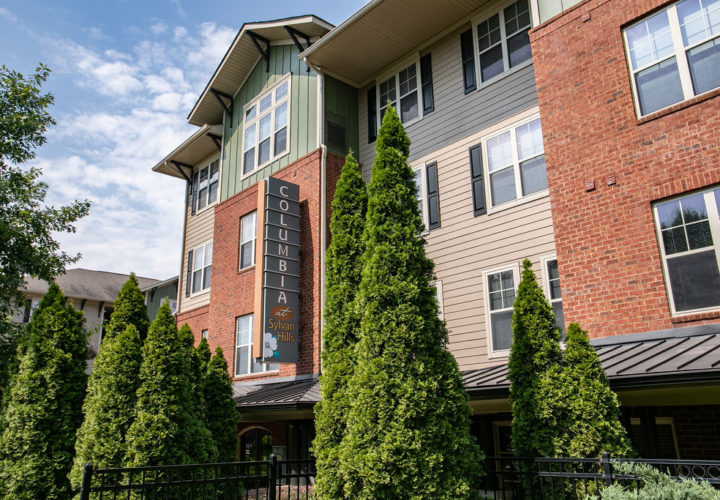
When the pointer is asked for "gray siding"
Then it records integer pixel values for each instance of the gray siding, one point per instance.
(456, 114)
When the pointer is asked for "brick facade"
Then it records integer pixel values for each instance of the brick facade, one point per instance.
(197, 319)
(232, 291)
(610, 265)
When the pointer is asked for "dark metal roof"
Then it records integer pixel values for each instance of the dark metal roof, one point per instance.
(637, 360)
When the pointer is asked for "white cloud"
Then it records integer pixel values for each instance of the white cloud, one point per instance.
(207, 51)
(158, 28)
(96, 33)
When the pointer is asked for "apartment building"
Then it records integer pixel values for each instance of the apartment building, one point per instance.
(501, 101)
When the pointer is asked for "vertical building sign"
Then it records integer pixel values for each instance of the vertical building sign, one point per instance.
(281, 272)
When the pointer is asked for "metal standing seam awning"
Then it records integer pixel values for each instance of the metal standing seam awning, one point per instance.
(669, 357)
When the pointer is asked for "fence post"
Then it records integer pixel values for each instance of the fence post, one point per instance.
(86, 482)
(272, 477)
(607, 471)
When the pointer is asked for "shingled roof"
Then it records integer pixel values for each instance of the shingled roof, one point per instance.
(637, 360)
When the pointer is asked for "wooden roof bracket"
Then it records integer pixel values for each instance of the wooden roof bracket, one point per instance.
(265, 53)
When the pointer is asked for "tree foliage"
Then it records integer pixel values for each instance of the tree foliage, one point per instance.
(109, 406)
(576, 400)
(222, 416)
(45, 403)
(535, 349)
(166, 426)
(128, 309)
(340, 335)
(408, 423)
(657, 486)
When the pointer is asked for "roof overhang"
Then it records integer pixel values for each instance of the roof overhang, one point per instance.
(204, 142)
(241, 58)
(159, 284)
(384, 31)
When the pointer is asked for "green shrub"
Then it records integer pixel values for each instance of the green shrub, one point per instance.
(657, 486)
(222, 416)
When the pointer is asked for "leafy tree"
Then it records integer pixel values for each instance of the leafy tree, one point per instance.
(26, 225)
(45, 403)
(109, 407)
(535, 349)
(408, 424)
(222, 416)
(344, 269)
(165, 424)
(575, 398)
(129, 309)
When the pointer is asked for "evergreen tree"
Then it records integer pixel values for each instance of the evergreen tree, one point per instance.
(45, 403)
(222, 416)
(110, 404)
(340, 335)
(165, 424)
(576, 399)
(535, 349)
(203, 353)
(129, 309)
(408, 424)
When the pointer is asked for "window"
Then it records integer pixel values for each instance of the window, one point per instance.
(201, 267)
(173, 305)
(501, 286)
(428, 197)
(256, 445)
(265, 127)
(688, 230)
(437, 286)
(206, 334)
(247, 240)
(554, 293)
(674, 54)
(516, 163)
(402, 85)
(420, 195)
(503, 42)
(245, 364)
(665, 443)
(205, 186)
(550, 8)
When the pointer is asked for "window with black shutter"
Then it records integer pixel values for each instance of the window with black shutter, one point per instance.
(427, 84)
(188, 274)
(478, 185)
(468, 60)
(433, 196)
(372, 115)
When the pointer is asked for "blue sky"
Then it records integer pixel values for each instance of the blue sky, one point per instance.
(125, 74)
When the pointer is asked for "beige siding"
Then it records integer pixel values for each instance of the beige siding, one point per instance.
(198, 230)
(465, 246)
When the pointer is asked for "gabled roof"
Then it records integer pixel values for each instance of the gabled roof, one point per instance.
(382, 32)
(100, 286)
(241, 58)
(195, 148)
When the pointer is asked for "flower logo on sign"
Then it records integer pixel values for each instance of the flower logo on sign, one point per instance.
(270, 349)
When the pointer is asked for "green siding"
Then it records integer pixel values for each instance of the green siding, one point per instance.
(341, 108)
(168, 291)
(303, 109)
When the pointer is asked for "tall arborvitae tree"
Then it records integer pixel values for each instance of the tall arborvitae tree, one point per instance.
(576, 399)
(45, 403)
(165, 420)
(109, 406)
(340, 335)
(222, 416)
(535, 348)
(129, 309)
(408, 427)
(202, 446)
(203, 353)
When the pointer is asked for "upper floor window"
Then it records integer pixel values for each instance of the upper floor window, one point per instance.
(674, 54)
(500, 289)
(265, 127)
(503, 41)
(550, 8)
(200, 269)
(420, 194)
(205, 182)
(516, 163)
(554, 293)
(688, 229)
(247, 240)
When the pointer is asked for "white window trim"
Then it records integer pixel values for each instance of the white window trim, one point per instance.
(713, 220)
(192, 270)
(546, 278)
(250, 356)
(515, 268)
(395, 72)
(507, 70)
(206, 164)
(437, 284)
(254, 243)
(270, 90)
(423, 193)
(680, 58)
(520, 200)
(205, 334)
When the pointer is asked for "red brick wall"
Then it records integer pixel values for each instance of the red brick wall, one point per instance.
(609, 260)
(232, 291)
(197, 320)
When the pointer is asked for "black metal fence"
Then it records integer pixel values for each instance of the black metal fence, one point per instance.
(573, 478)
(263, 480)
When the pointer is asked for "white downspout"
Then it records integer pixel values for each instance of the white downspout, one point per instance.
(323, 191)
